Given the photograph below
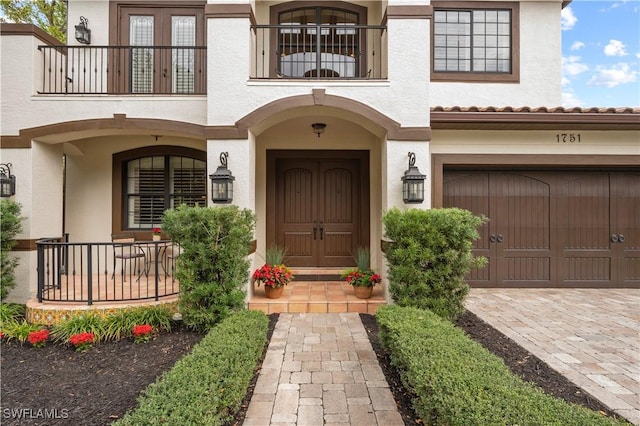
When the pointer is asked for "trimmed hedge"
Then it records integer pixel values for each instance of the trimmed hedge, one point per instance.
(458, 382)
(207, 386)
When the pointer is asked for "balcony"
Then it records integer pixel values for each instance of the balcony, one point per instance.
(123, 70)
(334, 52)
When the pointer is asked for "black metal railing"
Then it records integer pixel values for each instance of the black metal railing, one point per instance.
(319, 52)
(124, 70)
(105, 272)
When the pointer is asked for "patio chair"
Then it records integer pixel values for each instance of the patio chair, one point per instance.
(125, 250)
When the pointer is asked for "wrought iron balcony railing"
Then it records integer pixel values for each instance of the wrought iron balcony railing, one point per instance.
(124, 70)
(105, 272)
(319, 52)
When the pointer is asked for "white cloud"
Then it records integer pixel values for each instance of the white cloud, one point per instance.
(567, 19)
(615, 48)
(577, 45)
(572, 66)
(613, 76)
(570, 100)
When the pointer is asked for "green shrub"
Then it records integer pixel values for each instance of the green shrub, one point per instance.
(88, 322)
(458, 382)
(430, 256)
(11, 312)
(207, 386)
(10, 226)
(19, 330)
(212, 267)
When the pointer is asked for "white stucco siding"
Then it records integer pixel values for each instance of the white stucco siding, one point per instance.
(535, 142)
(89, 206)
(540, 67)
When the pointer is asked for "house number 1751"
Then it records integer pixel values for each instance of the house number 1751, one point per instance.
(568, 137)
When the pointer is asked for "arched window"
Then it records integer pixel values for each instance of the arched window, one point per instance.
(153, 182)
(321, 41)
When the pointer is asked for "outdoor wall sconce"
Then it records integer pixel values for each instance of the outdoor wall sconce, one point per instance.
(222, 182)
(318, 128)
(413, 183)
(7, 181)
(83, 34)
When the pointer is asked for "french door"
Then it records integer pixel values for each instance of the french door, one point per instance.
(162, 56)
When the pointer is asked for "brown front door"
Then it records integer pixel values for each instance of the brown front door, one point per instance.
(318, 210)
(559, 229)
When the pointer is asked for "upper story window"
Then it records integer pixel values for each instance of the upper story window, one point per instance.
(476, 41)
(320, 41)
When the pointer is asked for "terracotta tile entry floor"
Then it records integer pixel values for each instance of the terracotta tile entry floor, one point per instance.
(317, 297)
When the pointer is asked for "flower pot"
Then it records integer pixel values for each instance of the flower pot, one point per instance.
(156, 238)
(362, 292)
(273, 292)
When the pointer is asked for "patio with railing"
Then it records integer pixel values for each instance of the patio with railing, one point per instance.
(88, 273)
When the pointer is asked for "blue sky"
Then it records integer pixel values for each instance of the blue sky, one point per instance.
(601, 53)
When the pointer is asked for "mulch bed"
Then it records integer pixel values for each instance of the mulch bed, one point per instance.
(100, 385)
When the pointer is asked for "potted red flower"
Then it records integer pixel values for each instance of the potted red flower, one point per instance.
(362, 278)
(156, 234)
(274, 274)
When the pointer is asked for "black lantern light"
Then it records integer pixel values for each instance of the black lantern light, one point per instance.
(318, 128)
(413, 182)
(222, 182)
(7, 181)
(83, 34)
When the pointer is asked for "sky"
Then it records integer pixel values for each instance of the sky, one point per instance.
(601, 53)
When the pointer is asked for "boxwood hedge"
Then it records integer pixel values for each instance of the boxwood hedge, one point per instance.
(458, 382)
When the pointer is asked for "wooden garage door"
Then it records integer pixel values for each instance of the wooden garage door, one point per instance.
(552, 229)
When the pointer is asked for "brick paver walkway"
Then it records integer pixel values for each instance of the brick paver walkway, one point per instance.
(320, 369)
(591, 336)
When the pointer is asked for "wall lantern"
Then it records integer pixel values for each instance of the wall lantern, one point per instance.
(413, 183)
(222, 182)
(318, 128)
(83, 34)
(7, 181)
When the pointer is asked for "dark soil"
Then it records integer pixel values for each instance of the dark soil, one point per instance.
(57, 386)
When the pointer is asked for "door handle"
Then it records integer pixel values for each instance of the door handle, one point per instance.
(315, 229)
(492, 238)
(621, 238)
(614, 238)
(499, 238)
(321, 229)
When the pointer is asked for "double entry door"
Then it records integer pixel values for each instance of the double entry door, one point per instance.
(319, 211)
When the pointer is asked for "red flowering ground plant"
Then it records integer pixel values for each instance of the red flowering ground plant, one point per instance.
(273, 275)
(82, 341)
(142, 333)
(38, 338)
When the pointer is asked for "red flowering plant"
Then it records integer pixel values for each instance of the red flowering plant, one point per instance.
(362, 275)
(82, 341)
(38, 338)
(156, 231)
(273, 273)
(142, 333)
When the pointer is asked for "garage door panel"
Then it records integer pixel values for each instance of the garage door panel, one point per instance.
(522, 216)
(470, 191)
(627, 227)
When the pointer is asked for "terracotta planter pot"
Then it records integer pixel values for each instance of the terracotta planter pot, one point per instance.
(273, 293)
(362, 292)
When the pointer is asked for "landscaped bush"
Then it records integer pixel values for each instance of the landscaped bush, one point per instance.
(207, 386)
(10, 226)
(212, 267)
(429, 256)
(458, 382)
